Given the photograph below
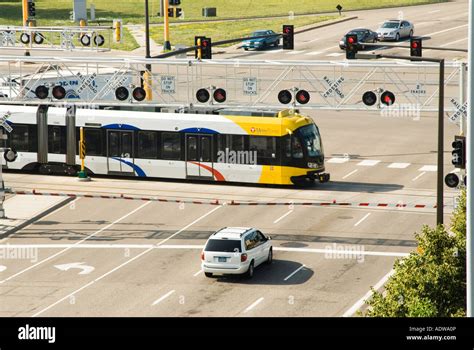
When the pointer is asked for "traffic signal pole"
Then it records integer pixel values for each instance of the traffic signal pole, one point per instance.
(166, 27)
(470, 183)
(25, 12)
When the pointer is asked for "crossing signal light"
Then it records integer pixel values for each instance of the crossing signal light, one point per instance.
(206, 49)
(459, 152)
(59, 92)
(284, 97)
(121, 93)
(369, 98)
(42, 92)
(416, 47)
(387, 98)
(10, 155)
(302, 97)
(351, 46)
(202, 95)
(451, 180)
(139, 94)
(288, 37)
(31, 8)
(220, 95)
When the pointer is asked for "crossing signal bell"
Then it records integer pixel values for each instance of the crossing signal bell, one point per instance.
(416, 47)
(288, 37)
(459, 152)
(351, 46)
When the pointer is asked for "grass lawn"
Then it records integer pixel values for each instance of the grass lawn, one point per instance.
(184, 33)
(56, 12)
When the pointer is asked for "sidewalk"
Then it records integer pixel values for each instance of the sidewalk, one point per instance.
(23, 210)
(138, 33)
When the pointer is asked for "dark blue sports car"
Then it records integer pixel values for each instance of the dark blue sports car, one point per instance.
(261, 43)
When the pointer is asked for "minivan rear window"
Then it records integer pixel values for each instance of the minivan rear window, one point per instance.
(223, 245)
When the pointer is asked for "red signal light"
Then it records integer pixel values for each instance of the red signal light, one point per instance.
(388, 98)
(303, 97)
(414, 45)
(204, 43)
(220, 95)
(350, 40)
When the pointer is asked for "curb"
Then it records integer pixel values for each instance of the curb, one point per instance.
(326, 24)
(36, 217)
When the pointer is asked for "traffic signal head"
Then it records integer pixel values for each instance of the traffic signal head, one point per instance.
(42, 92)
(451, 180)
(206, 48)
(351, 46)
(288, 37)
(139, 94)
(59, 92)
(459, 152)
(121, 93)
(416, 46)
(31, 8)
(179, 12)
(174, 2)
(387, 98)
(220, 95)
(170, 12)
(202, 95)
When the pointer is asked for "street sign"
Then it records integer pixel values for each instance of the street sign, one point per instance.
(333, 87)
(250, 86)
(168, 84)
(418, 90)
(4, 124)
(461, 111)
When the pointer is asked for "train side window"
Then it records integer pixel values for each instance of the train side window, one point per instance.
(20, 138)
(171, 146)
(147, 145)
(237, 143)
(54, 140)
(287, 146)
(264, 146)
(93, 139)
(297, 149)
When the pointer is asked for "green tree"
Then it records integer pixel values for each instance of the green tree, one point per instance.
(430, 282)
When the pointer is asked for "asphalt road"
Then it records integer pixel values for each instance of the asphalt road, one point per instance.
(97, 257)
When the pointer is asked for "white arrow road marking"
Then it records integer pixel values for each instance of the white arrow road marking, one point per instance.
(2, 268)
(76, 265)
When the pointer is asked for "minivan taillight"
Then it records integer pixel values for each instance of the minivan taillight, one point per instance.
(243, 257)
(202, 255)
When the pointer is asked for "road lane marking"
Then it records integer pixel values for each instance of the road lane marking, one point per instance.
(369, 162)
(445, 30)
(398, 165)
(362, 220)
(335, 54)
(293, 273)
(197, 273)
(338, 160)
(313, 53)
(416, 178)
(159, 300)
(258, 301)
(75, 244)
(351, 173)
(353, 309)
(434, 11)
(283, 216)
(295, 52)
(431, 168)
(191, 247)
(454, 42)
(125, 263)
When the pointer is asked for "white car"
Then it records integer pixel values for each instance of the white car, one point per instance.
(395, 30)
(236, 250)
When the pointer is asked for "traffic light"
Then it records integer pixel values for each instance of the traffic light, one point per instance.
(174, 2)
(197, 43)
(206, 48)
(288, 37)
(369, 98)
(387, 98)
(170, 12)
(175, 12)
(42, 92)
(178, 12)
(459, 152)
(59, 92)
(202, 95)
(416, 47)
(285, 97)
(31, 8)
(351, 46)
(302, 97)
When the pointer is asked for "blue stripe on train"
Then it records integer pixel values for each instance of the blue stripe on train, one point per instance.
(139, 171)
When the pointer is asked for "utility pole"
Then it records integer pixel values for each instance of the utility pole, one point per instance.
(470, 183)
(147, 30)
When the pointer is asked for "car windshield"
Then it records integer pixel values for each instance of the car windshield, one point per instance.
(390, 25)
(311, 140)
(259, 33)
(223, 245)
(359, 34)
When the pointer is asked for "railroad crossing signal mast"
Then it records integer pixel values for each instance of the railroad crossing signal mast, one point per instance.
(10, 155)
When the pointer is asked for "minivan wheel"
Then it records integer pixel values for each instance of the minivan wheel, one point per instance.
(270, 257)
(397, 38)
(208, 274)
(249, 273)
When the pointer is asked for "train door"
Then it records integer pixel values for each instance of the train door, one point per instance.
(120, 158)
(199, 156)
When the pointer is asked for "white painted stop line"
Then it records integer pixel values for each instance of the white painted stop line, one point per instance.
(398, 165)
(369, 162)
(431, 168)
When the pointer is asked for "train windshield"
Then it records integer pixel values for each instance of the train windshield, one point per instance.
(311, 140)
